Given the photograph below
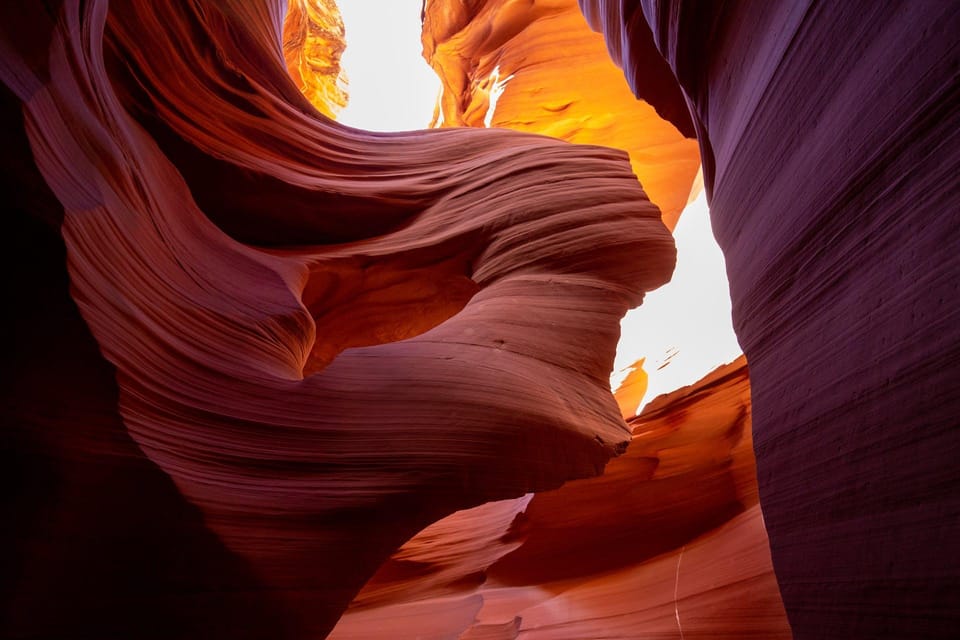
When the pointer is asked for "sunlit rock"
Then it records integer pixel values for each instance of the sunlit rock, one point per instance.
(538, 67)
(313, 41)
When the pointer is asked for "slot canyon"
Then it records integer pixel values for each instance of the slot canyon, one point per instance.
(271, 373)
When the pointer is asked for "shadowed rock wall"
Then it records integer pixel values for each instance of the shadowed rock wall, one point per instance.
(830, 144)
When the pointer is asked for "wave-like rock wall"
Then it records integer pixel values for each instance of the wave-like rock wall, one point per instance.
(571, 563)
(538, 67)
(669, 543)
(830, 138)
(256, 351)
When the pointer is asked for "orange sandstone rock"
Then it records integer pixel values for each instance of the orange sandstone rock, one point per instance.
(538, 67)
(670, 539)
(313, 41)
(632, 390)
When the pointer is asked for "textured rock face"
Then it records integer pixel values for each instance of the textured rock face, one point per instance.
(670, 539)
(538, 67)
(313, 41)
(253, 352)
(829, 134)
(285, 346)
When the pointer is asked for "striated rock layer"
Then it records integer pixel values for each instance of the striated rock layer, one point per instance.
(538, 67)
(830, 137)
(670, 539)
(256, 351)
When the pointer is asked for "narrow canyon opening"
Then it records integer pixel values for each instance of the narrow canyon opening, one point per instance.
(690, 469)
(300, 352)
(371, 54)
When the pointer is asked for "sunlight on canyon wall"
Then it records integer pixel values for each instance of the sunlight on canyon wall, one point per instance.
(538, 67)
(313, 43)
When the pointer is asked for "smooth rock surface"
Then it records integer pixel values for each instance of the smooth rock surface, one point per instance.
(300, 342)
(670, 539)
(830, 138)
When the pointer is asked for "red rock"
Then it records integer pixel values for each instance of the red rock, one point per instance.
(537, 67)
(253, 277)
(670, 538)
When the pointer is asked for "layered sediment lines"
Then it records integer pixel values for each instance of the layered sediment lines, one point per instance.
(302, 342)
(831, 144)
(670, 539)
(538, 67)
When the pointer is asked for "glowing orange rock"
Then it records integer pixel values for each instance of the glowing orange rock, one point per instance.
(538, 67)
(313, 41)
(632, 389)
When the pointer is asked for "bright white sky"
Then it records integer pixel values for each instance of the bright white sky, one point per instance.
(391, 86)
(684, 326)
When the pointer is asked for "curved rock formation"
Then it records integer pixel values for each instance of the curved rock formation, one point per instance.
(307, 341)
(537, 67)
(253, 351)
(831, 144)
(669, 539)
